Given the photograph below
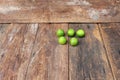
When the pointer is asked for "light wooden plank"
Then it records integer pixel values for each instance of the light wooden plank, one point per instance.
(111, 37)
(49, 60)
(15, 49)
(23, 11)
(58, 11)
(84, 11)
(88, 60)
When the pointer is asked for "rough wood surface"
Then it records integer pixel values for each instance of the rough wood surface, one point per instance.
(111, 38)
(31, 52)
(15, 49)
(84, 11)
(49, 60)
(33, 11)
(23, 11)
(88, 60)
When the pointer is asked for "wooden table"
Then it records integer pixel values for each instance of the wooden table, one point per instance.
(28, 44)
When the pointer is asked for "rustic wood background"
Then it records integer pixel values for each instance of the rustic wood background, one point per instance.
(44, 11)
(31, 52)
(29, 49)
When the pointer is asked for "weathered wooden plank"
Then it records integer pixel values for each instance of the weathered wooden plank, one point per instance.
(15, 49)
(49, 60)
(84, 11)
(88, 60)
(23, 11)
(111, 38)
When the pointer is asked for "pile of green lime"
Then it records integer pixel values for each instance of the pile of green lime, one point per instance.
(74, 35)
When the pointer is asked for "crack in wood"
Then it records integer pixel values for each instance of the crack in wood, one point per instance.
(36, 30)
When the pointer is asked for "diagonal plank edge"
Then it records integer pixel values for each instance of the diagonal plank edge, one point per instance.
(15, 50)
(88, 60)
(48, 11)
(111, 37)
(49, 60)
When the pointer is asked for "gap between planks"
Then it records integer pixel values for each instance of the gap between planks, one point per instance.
(106, 51)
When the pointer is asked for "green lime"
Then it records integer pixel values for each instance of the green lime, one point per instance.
(71, 32)
(62, 40)
(60, 32)
(73, 41)
(80, 33)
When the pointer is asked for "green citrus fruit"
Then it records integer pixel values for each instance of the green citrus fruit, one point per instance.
(80, 33)
(62, 40)
(71, 32)
(73, 41)
(60, 32)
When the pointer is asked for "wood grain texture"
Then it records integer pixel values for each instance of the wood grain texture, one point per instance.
(84, 11)
(88, 60)
(16, 44)
(23, 11)
(31, 52)
(45, 11)
(111, 37)
(49, 60)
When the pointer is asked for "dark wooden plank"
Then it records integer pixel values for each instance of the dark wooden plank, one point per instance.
(84, 11)
(88, 60)
(23, 11)
(49, 60)
(15, 49)
(111, 38)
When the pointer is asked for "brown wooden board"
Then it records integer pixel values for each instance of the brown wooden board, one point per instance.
(84, 11)
(49, 60)
(24, 11)
(88, 60)
(31, 52)
(111, 37)
(15, 49)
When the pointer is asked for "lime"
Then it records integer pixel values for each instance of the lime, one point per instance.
(73, 41)
(62, 40)
(71, 32)
(60, 32)
(80, 33)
